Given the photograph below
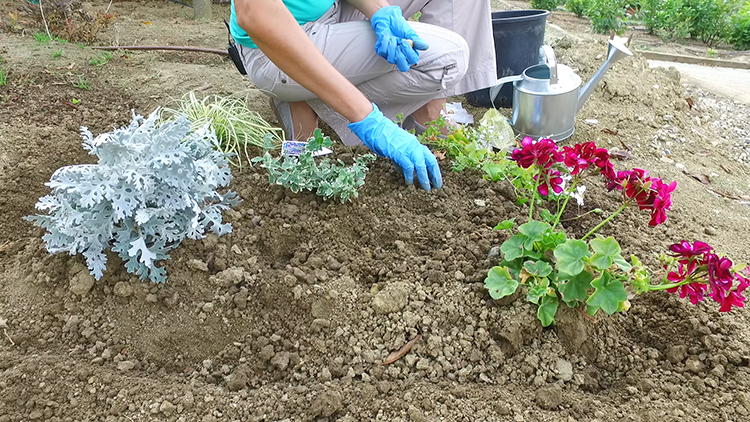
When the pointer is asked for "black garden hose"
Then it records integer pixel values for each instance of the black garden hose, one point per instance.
(190, 5)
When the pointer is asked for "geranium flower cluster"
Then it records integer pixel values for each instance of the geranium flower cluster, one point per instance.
(701, 272)
(545, 155)
(647, 192)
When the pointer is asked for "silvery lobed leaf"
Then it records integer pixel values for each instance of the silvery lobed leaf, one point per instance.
(139, 246)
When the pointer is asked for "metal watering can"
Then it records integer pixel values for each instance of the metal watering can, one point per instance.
(546, 97)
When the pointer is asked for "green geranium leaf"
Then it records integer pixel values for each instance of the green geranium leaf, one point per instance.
(553, 239)
(538, 268)
(591, 310)
(547, 310)
(534, 230)
(547, 216)
(506, 225)
(513, 247)
(536, 256)
(570, 256)
(500, 283)
(605, 251)
(622, 263)
(514, 267)
(600, 262)
(607, 247)
(535, 293)
(608, 293)
(575, 288)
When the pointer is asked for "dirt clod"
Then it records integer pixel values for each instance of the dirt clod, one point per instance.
(122, 289)
(82, 283)
(326, 404)
(550, 397)
(391, 299)
(677, 354)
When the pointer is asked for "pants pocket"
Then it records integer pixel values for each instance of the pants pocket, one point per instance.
(441, 74)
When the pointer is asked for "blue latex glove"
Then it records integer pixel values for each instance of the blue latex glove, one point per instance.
(393, 32)
(387, 139)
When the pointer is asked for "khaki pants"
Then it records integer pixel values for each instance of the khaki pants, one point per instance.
(460, 59)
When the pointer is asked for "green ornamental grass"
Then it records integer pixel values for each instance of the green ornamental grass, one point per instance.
(237, 127)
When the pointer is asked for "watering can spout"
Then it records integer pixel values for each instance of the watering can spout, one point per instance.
(617, 51)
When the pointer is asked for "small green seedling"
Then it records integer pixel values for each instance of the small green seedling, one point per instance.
(57, 54)
(82, 84)
(75, 101)
(101, 59)
(42, 38)
(3, 77)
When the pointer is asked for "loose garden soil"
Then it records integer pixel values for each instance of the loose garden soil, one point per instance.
(289, 317)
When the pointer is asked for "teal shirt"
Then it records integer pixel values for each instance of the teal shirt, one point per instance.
(303, 10)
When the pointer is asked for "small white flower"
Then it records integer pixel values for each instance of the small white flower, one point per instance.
(578, 194)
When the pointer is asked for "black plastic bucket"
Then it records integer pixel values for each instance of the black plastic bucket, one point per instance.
(518, 35)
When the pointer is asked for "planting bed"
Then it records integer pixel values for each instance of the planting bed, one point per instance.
(289, 316)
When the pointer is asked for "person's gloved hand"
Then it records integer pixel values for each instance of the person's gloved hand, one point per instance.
(393, 32)
(387, 139)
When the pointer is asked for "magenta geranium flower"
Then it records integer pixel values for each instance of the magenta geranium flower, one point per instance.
(543, 153)
(720, 276)
(705, 273)
(662, 201)
(608, 171)
(549, 179)
(734, 298)
(695, 291)
(687, 251)
(617, 179)
(648, 192)
(580, 157)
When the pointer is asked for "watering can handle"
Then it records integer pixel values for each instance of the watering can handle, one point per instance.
(499, 84)
(549, 58)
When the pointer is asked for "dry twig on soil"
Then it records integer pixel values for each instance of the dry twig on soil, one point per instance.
(400, 353)
(8, 337)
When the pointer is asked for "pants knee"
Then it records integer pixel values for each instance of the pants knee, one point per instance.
(462, 58)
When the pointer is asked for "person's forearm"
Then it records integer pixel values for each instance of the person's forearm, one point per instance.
(275, 31)
(368, 7)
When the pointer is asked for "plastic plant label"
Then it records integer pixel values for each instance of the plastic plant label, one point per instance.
(458, 114)
(295, 148)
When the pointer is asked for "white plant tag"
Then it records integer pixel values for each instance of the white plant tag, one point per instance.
(295, 148)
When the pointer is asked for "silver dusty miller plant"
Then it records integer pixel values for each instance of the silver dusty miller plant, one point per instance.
(154, 186)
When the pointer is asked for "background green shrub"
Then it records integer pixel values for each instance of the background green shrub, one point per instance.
(606, 15)
(545, 4)
(739, 34)
(577, 6)
(709, 19)
(706, 20)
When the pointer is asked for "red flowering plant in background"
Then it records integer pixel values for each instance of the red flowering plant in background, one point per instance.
(555, 268)
(695, 271)
(593, 274)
